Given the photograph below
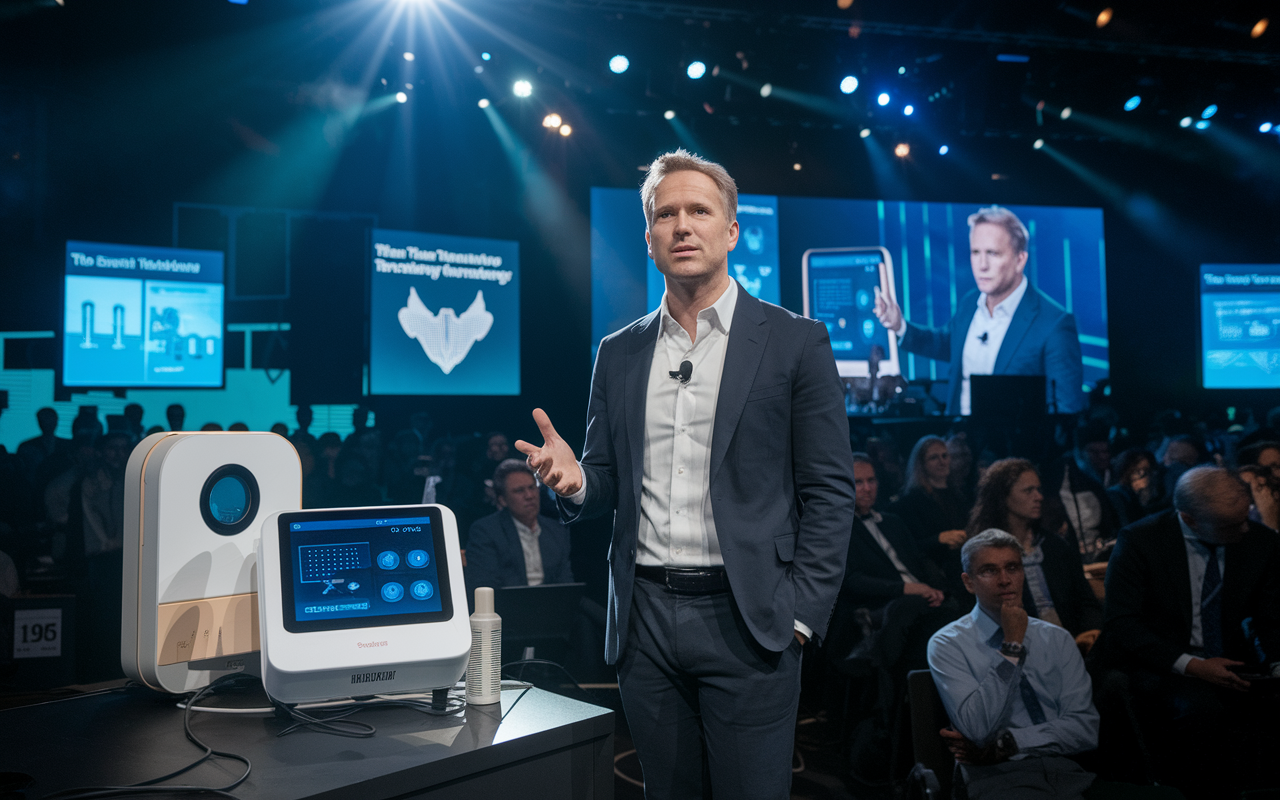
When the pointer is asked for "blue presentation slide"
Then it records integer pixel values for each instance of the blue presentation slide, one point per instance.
(444, 316)
(928, 244)
(142, 316)
(1240, 326)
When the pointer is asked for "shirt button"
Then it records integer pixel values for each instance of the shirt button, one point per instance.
(679, 550)
(680, 471)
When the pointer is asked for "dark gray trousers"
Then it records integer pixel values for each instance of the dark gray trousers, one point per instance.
(693, 677)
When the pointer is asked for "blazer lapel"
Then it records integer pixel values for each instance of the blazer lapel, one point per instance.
(513, 546)
(1026, 314)
(640, 346)
(1181, 569)
(747, 337)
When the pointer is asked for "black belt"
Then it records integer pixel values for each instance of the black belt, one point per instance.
(686, 580)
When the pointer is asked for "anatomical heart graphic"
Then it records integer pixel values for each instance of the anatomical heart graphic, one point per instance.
(445, 337)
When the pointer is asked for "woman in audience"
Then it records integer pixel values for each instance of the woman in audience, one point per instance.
(1135, 489)
(935, 512)
(1055, 590)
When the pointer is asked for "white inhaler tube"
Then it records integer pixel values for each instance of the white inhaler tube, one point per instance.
(484, 667)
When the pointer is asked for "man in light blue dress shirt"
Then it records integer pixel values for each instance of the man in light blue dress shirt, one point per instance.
(1015, 688)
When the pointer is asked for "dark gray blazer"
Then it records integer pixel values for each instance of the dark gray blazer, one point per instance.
(781, 468)
(495, 557)
(1041, 340)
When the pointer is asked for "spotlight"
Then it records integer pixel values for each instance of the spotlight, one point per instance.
(1185, 122)
(908, 110)
(766, 90)
(1209, 111)
(486, 56)
(942, 151)
(522, 88)
(696, 70)
(1104, 16)
(796, 166)
(565, 130)
(1202, 124)
(1132, 102)
(902, 150)
(849, 85)
(552, 121)
(864, 133)
(401, 97)
(619, 64)
(668, 114)
(1259, 28)
(844, 4)
(1038, 144)
(408, 56)
(484, 102)
(883, 99)
(479, 69)
(1066, 112)
(902, 70)
(1265, 127)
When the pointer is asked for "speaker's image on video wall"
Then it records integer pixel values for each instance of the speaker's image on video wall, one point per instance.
(142, 316)
(444, 315)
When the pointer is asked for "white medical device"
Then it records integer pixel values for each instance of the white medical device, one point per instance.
(361, 601)
(194, 504)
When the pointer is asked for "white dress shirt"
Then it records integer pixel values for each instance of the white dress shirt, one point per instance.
(532, 551)
(1197, 563)
(979, 355)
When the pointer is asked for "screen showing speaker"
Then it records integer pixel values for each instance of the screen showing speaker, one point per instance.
(346, 569)
(1240, 326)
(142, 316)
(925, 248)
(444, 316)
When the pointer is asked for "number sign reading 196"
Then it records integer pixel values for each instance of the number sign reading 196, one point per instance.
(37, 633)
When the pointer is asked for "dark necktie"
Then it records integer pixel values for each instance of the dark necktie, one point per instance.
(1211, 605)
(1028, 693)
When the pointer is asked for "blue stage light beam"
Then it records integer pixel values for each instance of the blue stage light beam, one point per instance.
(696, 70)
(1209, 111)
(883, 99)
(849, 84)
(1132, 103)
(619, 64)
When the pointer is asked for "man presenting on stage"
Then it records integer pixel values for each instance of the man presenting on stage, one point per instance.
(1004, 327)
(717, 435)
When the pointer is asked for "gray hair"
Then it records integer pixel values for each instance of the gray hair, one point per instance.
(995, 215)
(991, 537)
(1201, 489)
(681, 160)
(506, 469)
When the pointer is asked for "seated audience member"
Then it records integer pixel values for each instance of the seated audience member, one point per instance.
(175, 415)
(239, 427)
(305, 416)
(1078, 479)
(964, 472)
(1135, 490)
(1055, 589)
(133, 414)
(1178, 454)
(886, 575)
(278, 428)
(1260, 468)
(934, 512)
(1015, 687)
(1193, 595)
(888, 461)
(515, 546)
(211, 426)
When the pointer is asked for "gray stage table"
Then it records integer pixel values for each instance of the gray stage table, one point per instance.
(547, 746)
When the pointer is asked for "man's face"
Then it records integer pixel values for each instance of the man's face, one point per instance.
(1269, 460)
(1024, 498)
(498, 448)
(521, 496)
(997, 267)
(995, 577)
(1225, 522)
(865, 487)
(1098, 454)
(691, 235)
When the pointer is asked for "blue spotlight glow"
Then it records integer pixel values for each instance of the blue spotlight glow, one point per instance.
(1209, 111)
(486, 56)
(883, 99)
(1265, 127)
(908, 110)
(619, 64)
(696, 70)
(1012, 58)
(522, 88)
(1132, 103)
(1202, 124)
(401, 97)
(1185, 122)
(849, 85)
(942, 151)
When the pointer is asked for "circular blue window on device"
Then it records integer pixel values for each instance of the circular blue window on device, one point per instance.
(229, 499)
(418, 559)
(388, 559)
(421, 590)
(392, 592)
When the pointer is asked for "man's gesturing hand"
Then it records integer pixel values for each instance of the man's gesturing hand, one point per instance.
(554, 462)
(887, 311)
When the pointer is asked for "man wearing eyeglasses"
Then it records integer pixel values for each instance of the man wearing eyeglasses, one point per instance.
(1015, 687)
